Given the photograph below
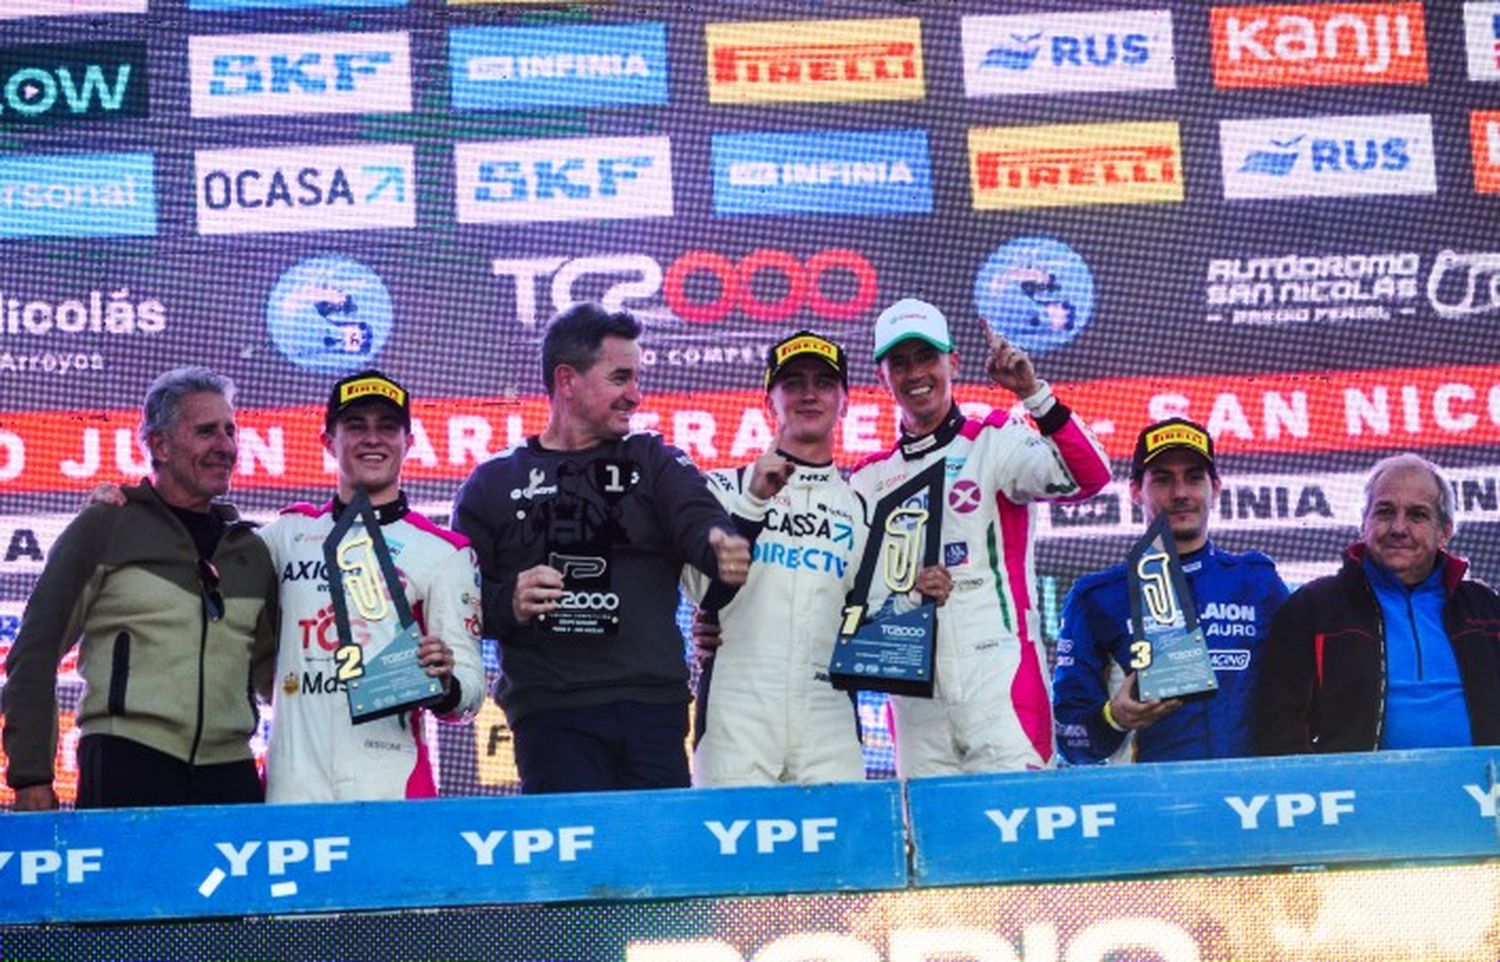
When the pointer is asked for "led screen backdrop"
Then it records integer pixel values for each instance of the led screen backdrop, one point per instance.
(1279, 219)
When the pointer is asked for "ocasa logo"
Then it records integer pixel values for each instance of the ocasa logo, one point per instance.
(1319, 45)
(45, 82)
(551, 180)
(323, 73)
(344, 187)
(700, 286)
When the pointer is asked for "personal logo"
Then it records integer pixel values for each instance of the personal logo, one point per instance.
(329, 314)
(1064, 52)
(78, 195)
(294, 73)
(41, 83)
(285, 189)
(1327, 156)
(1036, 292)
(964, 497)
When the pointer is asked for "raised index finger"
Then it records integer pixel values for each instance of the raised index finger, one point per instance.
(995, 341)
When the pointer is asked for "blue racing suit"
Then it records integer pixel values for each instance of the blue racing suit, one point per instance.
(1236, 595)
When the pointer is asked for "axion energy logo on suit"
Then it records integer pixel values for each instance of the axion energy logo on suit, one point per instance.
(530, 68)
(78, 195)
(1327, 156)
(607, 178)
(300, 73)
(1484, 134)
(848, 172)
(1318, 44)
(333, 187)
(1129, 163)
(815, 60)
(40, 83)
(1061, 52)
(1482, 32)
(20, 9)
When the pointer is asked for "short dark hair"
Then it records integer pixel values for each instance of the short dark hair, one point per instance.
(164, 397)
(575, 337)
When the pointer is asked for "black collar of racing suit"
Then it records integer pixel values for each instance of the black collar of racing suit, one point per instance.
(913, 447)
(810, 475)
(386, 513)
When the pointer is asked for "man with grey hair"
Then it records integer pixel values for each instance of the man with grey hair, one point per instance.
(172, 599)
(1396, 650)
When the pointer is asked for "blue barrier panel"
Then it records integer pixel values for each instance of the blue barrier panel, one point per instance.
(273, 859)
(1145, 819)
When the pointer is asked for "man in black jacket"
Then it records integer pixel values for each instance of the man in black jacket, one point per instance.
(582, 532)
(1396, 650)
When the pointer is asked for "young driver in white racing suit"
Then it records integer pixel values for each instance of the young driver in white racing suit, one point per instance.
(316, 753)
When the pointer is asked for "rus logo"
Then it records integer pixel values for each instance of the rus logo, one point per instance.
(40, 83)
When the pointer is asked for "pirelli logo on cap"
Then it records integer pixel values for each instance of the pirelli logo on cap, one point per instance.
(807, 345)
(820, 61)
(371, 387)
(1177, 435)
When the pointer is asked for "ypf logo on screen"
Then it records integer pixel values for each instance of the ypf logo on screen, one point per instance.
(300, 73)
(41, 83)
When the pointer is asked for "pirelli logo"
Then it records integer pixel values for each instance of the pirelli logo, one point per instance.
(1075, 164)
(815, 61)
(1177, 435)
(372, 387)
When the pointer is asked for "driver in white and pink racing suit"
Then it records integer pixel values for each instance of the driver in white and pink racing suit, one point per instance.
(991, 709)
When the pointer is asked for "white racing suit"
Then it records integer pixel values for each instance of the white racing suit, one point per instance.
(766, 711)
(316, 754)
(991, 709)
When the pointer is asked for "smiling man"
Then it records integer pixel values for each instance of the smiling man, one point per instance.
(316, 753)
(1172, 472)
(1398, 649)
(992, 706)
(172, 600)
(582, 532)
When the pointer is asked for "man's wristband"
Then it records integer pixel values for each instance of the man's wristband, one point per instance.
(1109, 719)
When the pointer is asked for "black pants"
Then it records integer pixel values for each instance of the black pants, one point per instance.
(116, 772)
(624, 744)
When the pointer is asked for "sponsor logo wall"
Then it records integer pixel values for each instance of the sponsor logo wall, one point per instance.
(1276, 218)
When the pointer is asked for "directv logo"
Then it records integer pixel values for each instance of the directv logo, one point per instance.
(46, 82)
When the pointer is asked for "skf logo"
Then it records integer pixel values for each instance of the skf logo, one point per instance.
(1484, 134)
(1327, 156)
(815, 60)
(47, 82)
(1323, 44)
(349, 187)
(1482, 32)
(1130, 163)
(552, 180)
(700, 286)
(321, 73)
(1054, 53)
